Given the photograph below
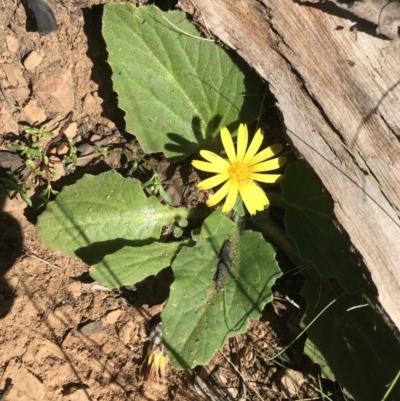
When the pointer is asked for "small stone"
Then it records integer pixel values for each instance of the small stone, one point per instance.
(50, 361)
(111, 125)
(92, 328)
(71, 130)
(95, 137)
(63, 150)
(125, 332)
(113, 316)
(56, 90)
(32, 60)
(14, 75)
(12, 44)
(69, 339)
(33, 113)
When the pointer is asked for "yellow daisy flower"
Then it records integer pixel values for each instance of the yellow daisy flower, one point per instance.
(241, 170)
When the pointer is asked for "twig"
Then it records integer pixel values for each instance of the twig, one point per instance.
(242, 377)
(27, 253)
(205, 22)
(60, 134)
(356, 307)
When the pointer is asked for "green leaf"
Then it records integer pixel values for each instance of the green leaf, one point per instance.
(32, 131)
(25, 198)
(199, 317)
(310, 223)
(216, 223)
(9, 184)
(132, 264)
(34, 152)
(167, 199)
(47, 134)
(176, 90)
(101, 214)
(355, 347)
(18, 147)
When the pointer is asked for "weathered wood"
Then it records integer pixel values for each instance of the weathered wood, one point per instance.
(319, 69)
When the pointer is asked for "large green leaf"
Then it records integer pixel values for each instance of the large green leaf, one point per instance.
(353, 346)
(176, 90)
(309, 222)
(101, 214)
(199, 317)
(132, 264)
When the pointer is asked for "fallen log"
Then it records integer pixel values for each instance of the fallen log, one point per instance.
(336, 83)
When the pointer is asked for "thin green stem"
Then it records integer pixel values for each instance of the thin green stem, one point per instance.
(389, 390)
(303, 331)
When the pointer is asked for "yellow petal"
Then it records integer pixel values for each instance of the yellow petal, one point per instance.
(246, 194)
(243, 137)
(205, 166)
(231, 198)
(260, 200)
(267, 178)
(253, 196)
(266, 154)
(227, 142)
(254, 146)
(213, 181)
(215, 159)
(219, 195)
(268, 165)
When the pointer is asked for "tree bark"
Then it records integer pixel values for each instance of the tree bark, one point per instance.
(325, 73)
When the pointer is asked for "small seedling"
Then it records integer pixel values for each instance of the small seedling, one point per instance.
(155, 186)
(39, 161)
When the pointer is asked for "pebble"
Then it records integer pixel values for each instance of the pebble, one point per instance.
(92, 328)
(95, 137)
(32, 60)
(113, 316)
(14, 75)
(12, 44)
(125, 332)
(72, 130)
(63, 150)
(33, 113)
(111, 125)
(56, 90)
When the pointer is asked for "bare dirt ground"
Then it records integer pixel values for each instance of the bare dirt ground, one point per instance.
(60, 337)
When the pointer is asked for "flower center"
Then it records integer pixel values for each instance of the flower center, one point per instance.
(239, 172)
